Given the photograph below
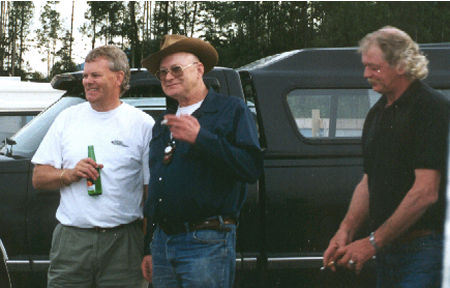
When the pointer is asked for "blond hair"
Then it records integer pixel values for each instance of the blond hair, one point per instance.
(118, 61)
(399, 50)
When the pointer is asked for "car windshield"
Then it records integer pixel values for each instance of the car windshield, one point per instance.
(30, 136)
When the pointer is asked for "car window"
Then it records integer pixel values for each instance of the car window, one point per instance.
(30, 136)
(330, 113)
(10, 124)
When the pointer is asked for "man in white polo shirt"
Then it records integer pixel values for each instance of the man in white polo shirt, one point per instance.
(98, 241)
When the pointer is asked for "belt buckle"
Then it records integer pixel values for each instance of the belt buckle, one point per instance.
(100, 229)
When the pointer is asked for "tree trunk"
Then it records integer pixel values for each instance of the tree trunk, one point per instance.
(71, 31)
(166, 17)
(13, 36)
(22, 27)
(2, 33)
(94, 32)
(134, 33)
(194, 17)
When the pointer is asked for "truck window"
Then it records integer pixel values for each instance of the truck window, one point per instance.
(330, 113)
(10, 123)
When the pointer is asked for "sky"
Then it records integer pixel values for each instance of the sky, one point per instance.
(81, 45)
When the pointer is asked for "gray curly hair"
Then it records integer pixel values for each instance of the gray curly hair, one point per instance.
(118, 61)
(399, 50)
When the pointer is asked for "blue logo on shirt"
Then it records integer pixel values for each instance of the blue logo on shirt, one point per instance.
(119, 143)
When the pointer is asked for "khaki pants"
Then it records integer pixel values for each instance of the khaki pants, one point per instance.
(96, 258)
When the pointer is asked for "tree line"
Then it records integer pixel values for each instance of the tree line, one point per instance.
(241, 31)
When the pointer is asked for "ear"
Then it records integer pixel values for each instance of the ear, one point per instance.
(401, 70)
(201, 68)
(120, 76)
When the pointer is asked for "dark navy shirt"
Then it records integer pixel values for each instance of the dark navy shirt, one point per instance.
(207, 178)
(411, 133)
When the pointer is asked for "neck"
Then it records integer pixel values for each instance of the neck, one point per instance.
(105, 107)
(194, 96)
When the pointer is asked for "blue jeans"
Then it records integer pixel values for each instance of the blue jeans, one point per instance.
(202, 258)
(417, 263)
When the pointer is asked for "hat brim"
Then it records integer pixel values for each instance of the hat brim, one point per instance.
(203, 50)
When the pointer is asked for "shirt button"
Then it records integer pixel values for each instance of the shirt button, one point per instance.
(160, 200)
(160, 179)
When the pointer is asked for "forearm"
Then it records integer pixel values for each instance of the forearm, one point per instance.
(46, 177)
(422, 195)
(358, 210)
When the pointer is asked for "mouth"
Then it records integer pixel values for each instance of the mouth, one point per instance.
(171, 85)
(91, 90)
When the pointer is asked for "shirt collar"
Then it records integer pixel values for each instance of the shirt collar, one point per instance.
(208, 105)
(407, 97)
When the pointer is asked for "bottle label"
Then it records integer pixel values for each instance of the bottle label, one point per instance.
(90, 187)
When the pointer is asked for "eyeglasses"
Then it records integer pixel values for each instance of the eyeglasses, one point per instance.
(373, 68)
(175, 70)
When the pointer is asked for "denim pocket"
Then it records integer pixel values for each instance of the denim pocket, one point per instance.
(210, 236)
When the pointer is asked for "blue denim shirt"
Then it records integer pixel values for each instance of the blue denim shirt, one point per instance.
(207, 178)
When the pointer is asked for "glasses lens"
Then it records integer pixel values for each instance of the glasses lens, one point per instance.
(176, 70)
(161, 73)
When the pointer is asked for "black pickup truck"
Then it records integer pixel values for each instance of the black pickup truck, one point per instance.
(309, 106)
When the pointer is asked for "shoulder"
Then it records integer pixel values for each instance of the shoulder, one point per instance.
(431, 100)
(137, 114)
(73, 111)
(226, 102)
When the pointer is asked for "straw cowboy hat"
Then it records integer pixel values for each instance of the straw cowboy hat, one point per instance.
(171, 44)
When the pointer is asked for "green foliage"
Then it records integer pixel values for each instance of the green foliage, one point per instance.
(48, 34)
(14, 29)
(241, 31)
(65, 64)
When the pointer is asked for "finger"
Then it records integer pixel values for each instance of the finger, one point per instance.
(328, 254)
(351, 264)
(145, 271)
(172, 119)
(93, 164)
(339, 254)
(342, 259)
(86, 171)
(358, 267)
(91, 172)
(188, 118)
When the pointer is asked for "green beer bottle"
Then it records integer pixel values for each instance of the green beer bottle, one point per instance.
(94, 187)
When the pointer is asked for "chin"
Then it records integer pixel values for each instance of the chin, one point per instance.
(172, 93)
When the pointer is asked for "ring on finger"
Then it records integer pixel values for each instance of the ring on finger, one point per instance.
(351, 262)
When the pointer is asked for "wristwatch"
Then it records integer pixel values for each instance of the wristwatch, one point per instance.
(373, 242)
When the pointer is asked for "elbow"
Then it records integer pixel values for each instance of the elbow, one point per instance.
(429, 197)
(35, 180)
(433, 197)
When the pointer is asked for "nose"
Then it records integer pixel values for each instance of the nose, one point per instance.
(169, 76)
(87, 80)
(367, 72)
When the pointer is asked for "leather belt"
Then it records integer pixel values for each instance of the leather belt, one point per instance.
(414, 234)
(172, 228)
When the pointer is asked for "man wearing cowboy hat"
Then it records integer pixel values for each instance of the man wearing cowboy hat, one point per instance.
(202, 155)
